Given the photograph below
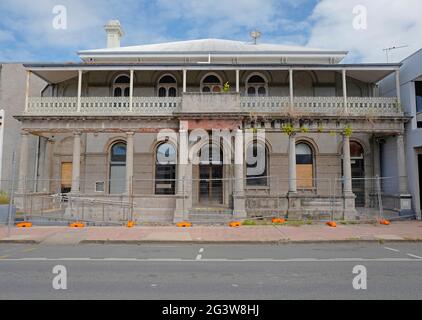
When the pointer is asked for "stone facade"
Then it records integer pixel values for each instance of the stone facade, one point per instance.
(87, 108)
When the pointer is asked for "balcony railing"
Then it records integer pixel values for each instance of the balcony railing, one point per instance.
(356, 106)
(103, 106)
(265, 104)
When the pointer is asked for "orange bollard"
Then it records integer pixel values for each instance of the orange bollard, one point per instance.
(130, 224)
(278, 221)
(184, 224)
(24, 225)
(77, 225)
(385, 222)
(234, 224)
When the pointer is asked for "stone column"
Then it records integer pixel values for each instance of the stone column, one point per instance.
(48, 155)
(292, 164)
(23, 162)
(401, 162)
(377, 161)
(347, 168)
(294, 201)
(129, 162)
(349, 197)
(405, 197)
(239, 207)
(184, 176)
(76, 162)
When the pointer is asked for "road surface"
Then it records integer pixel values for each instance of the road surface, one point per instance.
(293, 271)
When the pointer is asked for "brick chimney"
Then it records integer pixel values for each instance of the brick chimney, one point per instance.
(114, 33)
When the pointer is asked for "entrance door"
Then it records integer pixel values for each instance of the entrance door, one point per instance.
(358, 182)
(358, 173)
(210, 184)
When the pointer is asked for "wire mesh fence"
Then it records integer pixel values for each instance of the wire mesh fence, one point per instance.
(208, 197)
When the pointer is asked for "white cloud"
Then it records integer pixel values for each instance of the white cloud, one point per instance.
(390, 23)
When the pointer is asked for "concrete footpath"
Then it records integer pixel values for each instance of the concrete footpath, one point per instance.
(397, 231)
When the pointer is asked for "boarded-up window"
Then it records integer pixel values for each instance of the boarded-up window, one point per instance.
(66, 177)
(304, 166)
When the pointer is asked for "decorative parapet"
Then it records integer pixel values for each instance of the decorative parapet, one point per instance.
(210, 102)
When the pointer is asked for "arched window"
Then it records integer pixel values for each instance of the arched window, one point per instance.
(304, 166)
(257, 164)
(165, 169)
(256, 86)
(121, 86)
(211, 83)
(167, 86)
(356, 150)
(117, 178)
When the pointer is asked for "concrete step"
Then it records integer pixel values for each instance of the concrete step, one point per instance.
(210, 217)
(321, 203)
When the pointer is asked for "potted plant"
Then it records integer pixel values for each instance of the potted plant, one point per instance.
(226, 87)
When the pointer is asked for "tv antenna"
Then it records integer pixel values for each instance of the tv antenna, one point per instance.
(255, 35)
(388, 50)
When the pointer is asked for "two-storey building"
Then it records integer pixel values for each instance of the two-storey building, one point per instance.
(314, 120)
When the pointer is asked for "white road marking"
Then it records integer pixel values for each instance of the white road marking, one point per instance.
(199, 256)
(418, 259)
(391, 249)
(120, 259)
(158, 260)
(235, 285)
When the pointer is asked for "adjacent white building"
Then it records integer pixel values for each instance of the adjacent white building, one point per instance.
(411, 96)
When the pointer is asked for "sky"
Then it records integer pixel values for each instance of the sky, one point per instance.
(28, 32)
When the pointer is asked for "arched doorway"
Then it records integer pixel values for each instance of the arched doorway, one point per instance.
(358, 172)
(211, 175)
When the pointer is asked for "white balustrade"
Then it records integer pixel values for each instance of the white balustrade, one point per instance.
(103, 106)
(356, 106)
(319, 105)
(264, 104)
(52, 105)
(374, 106)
